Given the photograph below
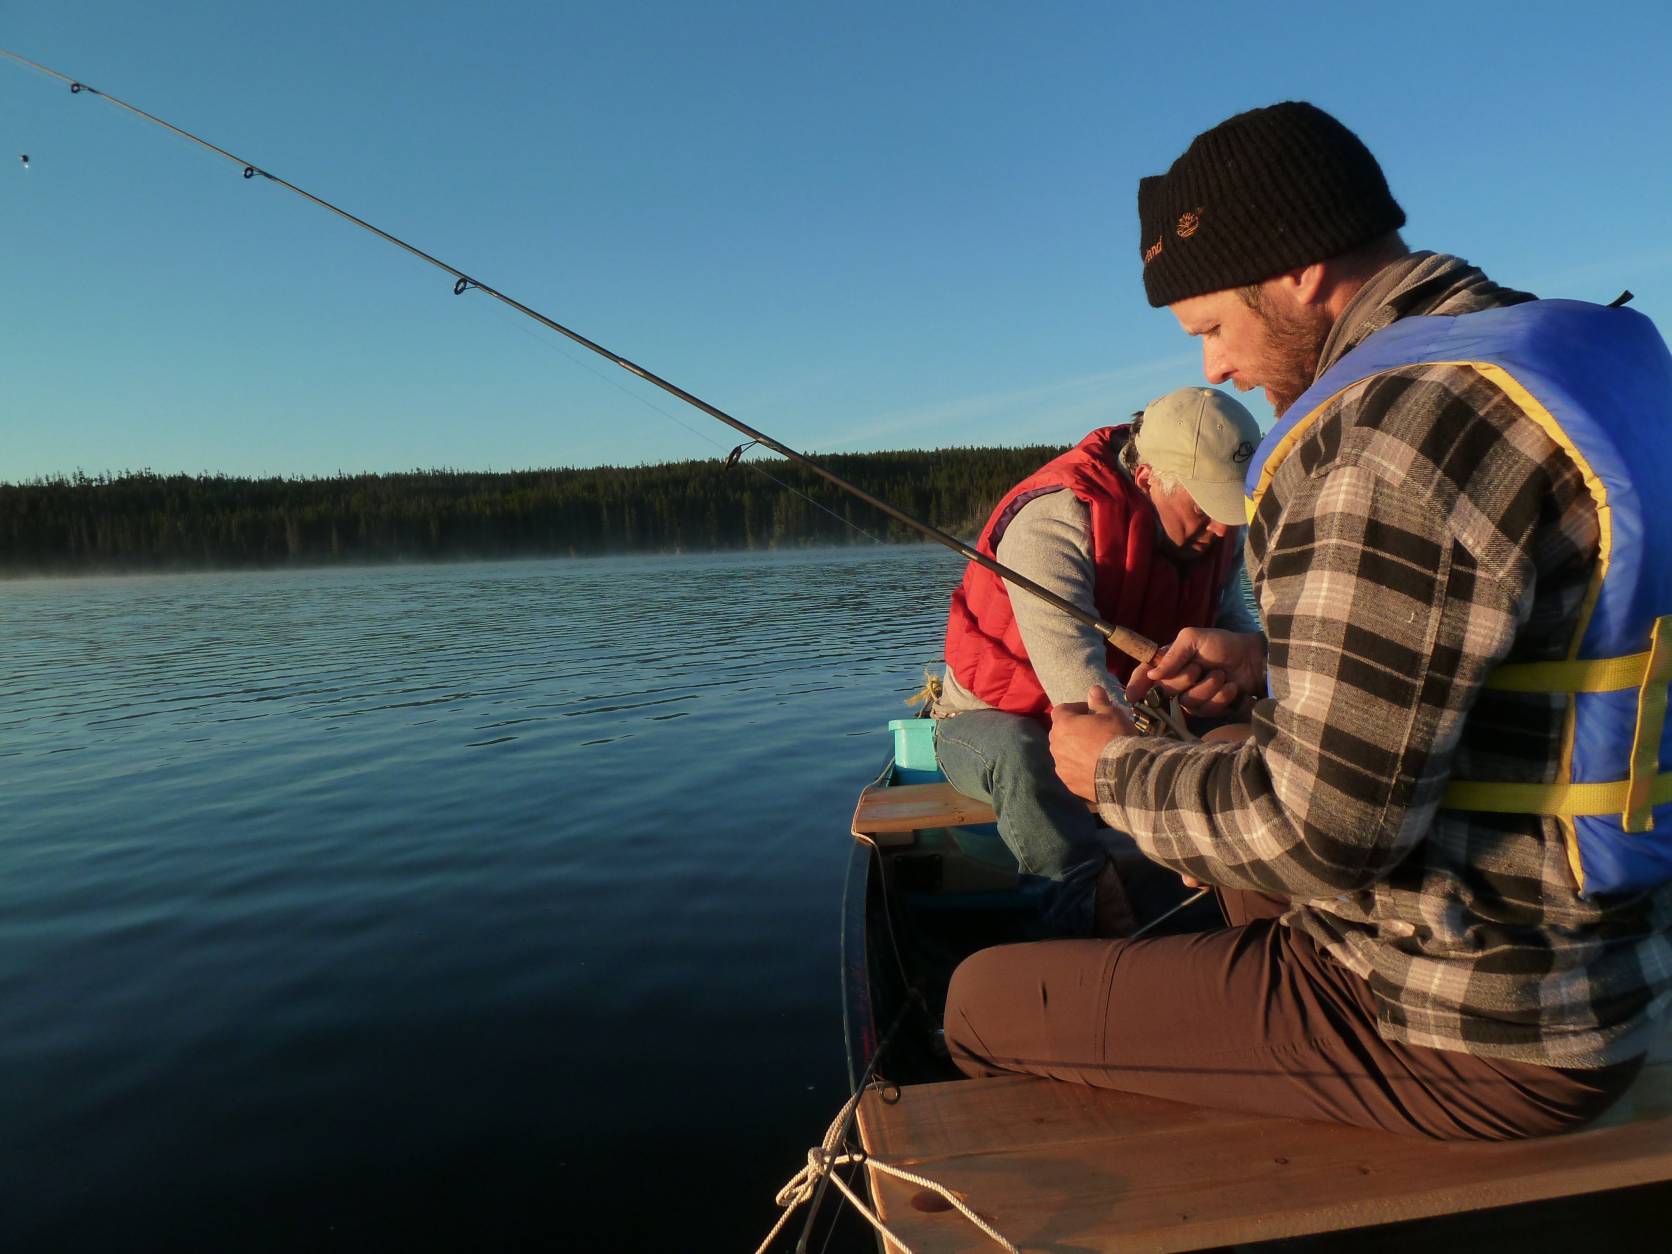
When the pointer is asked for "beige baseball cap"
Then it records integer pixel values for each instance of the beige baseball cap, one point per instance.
(1206, 439)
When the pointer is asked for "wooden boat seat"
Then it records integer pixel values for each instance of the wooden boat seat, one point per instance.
(889, 815)
(1061, 1167)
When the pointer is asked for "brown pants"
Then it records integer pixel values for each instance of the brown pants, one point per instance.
(1251, 1017)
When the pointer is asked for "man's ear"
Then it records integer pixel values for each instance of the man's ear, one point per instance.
(1300, 287)
(1141, 476)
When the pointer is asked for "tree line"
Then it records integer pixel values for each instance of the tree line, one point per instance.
(141, 521)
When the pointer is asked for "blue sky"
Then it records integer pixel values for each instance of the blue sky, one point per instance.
(855, 227)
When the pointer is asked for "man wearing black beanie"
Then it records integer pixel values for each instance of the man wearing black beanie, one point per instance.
(1442, 850)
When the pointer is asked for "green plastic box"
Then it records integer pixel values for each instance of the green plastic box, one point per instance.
(914, 743)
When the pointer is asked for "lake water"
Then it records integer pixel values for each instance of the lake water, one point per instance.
(444, 907)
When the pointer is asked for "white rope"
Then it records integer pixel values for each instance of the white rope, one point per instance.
(801, 1184)
(822, 1161)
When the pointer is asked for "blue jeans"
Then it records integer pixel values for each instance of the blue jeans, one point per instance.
(1005, 760)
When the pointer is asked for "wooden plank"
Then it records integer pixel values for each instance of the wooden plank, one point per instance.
(1057, 1166)
(1010, 1113)
(912, 807)
(1174, 1192)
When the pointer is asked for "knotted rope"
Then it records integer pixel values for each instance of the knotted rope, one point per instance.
(929, 693)
(822, 1162)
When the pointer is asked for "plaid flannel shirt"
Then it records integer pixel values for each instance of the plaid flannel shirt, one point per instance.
(1421, 533)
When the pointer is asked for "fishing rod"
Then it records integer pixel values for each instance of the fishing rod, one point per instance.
(1128, 642)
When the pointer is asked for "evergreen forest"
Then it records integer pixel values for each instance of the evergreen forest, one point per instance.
(140, 521)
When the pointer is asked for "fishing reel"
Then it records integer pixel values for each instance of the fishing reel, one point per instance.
(1149, 718)
(1152, 716)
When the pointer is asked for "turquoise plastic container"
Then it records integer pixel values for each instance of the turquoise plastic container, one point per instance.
(914, 743)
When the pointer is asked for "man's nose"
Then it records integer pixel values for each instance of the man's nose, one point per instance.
(1214, 364)
(1218, 529)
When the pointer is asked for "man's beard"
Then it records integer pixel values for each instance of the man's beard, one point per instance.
(1182, 554)
(1294, 343)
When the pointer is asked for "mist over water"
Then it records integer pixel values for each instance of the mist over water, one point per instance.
(446, 907)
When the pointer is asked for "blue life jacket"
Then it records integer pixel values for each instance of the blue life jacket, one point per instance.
(1597, 381)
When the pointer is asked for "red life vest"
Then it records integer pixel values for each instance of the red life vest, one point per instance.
(1135, 586)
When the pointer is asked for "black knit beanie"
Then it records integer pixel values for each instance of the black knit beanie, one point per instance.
(1266, 191)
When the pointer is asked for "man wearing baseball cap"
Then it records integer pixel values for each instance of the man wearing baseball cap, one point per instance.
(1139, 525)
(1443, 850)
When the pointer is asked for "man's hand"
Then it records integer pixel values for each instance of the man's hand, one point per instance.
(1079, 733)
(1207, 669)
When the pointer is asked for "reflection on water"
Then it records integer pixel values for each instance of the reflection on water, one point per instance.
(434, 906)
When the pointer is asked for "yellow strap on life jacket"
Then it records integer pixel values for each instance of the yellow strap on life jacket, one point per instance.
(1564, 801)
(1651, 718)
(1607, 674)
(1632, 798)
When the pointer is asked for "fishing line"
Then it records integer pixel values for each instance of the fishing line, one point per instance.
(1128, 642)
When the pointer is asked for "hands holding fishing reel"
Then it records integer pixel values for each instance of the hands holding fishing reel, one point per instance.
(1207, 670)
